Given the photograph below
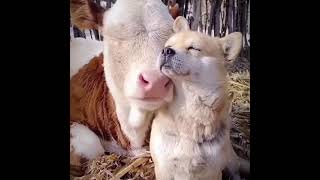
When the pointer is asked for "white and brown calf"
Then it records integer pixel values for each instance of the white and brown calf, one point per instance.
(114, 96)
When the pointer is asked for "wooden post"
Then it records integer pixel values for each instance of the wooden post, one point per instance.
(211, 17)
(216, 14)
(78, 33)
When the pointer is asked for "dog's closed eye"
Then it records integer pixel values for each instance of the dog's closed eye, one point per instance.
(193, 48)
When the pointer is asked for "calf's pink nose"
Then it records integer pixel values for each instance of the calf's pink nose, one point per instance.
(154, 84)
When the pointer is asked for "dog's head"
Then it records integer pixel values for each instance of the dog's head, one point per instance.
(197, 57)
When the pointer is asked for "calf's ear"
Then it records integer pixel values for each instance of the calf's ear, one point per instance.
(85, 14)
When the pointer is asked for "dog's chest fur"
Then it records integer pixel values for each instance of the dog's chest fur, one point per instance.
(191, 140)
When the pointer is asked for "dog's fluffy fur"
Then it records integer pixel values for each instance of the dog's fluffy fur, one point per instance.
(190, 139)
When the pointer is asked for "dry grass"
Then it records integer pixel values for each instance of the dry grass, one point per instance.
(240, 132)
(118, 167)
(239, 89)
(115, 167)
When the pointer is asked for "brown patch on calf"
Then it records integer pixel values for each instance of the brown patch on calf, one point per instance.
(85, 14)
(92, 104)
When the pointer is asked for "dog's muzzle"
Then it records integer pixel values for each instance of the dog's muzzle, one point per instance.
(171, 61)
(166, 55)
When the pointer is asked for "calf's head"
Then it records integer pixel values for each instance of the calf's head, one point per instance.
(134, 34)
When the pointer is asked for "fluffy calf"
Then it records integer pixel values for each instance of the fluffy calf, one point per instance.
(116, 94)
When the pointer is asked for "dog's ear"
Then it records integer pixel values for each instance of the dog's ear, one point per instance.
(180, 24)
(85, 14)
(231, 45)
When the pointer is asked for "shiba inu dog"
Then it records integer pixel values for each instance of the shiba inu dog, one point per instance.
(190, 138)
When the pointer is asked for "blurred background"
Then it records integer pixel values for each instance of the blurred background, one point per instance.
(213, 17)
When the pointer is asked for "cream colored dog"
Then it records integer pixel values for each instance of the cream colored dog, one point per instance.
(190, 138)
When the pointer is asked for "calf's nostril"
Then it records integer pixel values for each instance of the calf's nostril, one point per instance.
(167, 83)
(142, 79)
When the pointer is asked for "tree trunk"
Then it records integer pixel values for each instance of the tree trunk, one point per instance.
(185, 9)
(235, 16)
(245, 22)
(195, 14)
(240, 24)
(96, 34)
(227, 16)
(90, 33)
(216, 15)
(248, 24)
(206, 17)
(211, 17)
(78, 33)
(244, 29)
(223, 19)
(230, 16)
(239, 18)
(200, 16)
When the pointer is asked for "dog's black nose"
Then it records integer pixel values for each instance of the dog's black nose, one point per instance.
(168, 51)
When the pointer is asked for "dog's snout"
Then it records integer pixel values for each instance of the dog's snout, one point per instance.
(168, 51)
